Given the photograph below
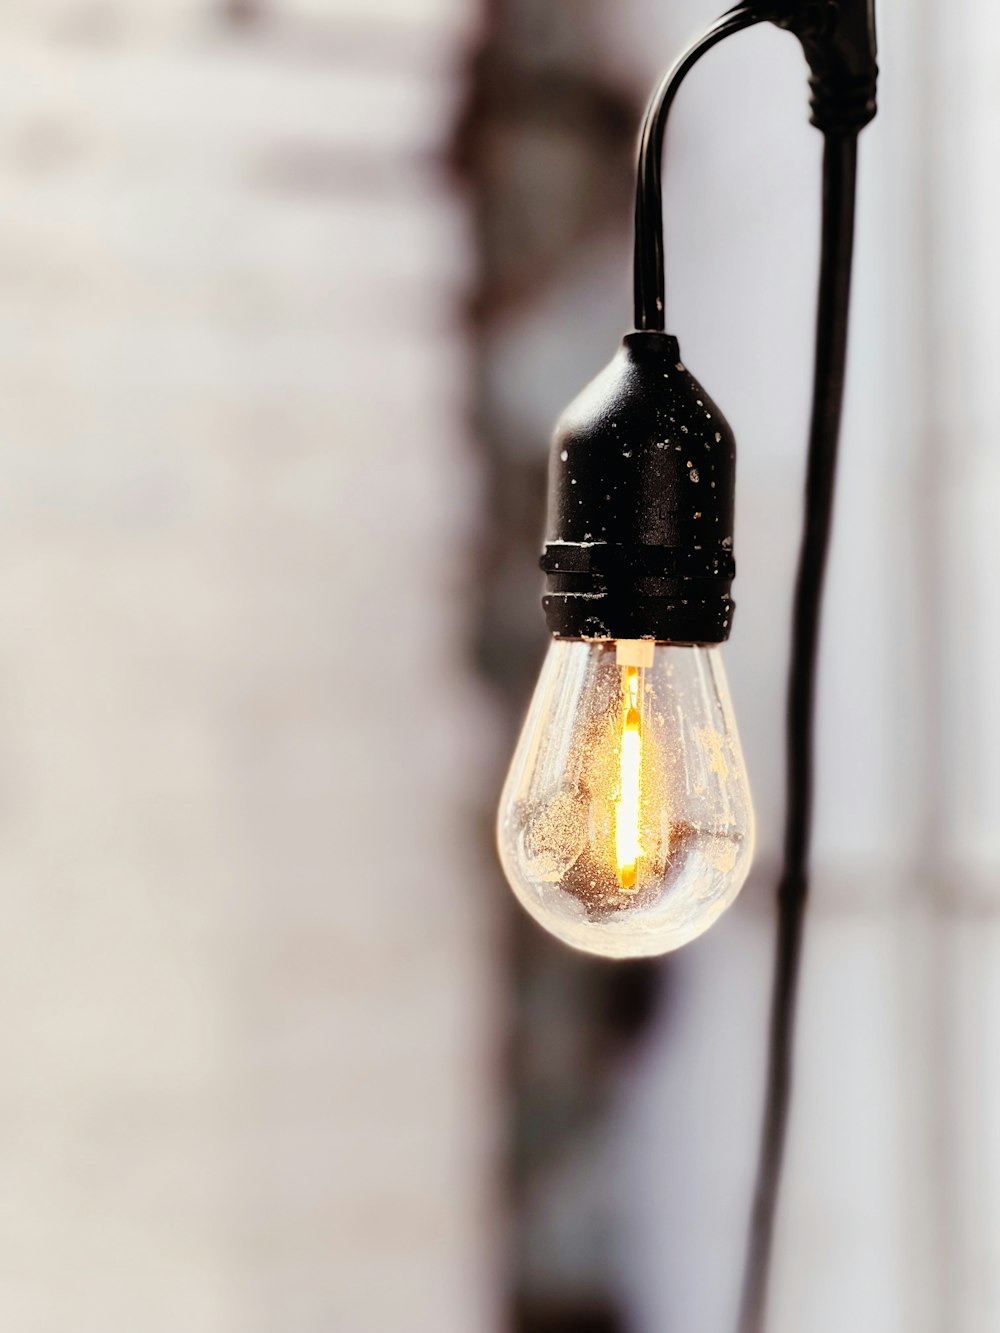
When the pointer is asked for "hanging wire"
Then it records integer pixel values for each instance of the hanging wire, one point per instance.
(837, 244)
(648, 273)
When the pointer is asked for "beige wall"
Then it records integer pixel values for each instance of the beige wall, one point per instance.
(246, 975)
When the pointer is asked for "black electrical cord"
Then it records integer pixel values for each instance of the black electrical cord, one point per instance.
(839, 173)
(648, 274)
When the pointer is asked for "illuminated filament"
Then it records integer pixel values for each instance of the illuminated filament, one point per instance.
(627, 846)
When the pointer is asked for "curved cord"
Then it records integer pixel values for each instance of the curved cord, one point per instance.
(648, 262)
(839, 172)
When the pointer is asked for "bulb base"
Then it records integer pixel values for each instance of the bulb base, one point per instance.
(641, 499)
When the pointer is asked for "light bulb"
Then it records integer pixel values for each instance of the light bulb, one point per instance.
(625, 826)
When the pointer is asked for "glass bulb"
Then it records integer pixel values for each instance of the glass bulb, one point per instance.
(625, 826)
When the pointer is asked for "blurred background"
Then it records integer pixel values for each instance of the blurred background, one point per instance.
(291, 293)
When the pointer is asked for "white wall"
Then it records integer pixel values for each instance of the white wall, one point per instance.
(246, 988)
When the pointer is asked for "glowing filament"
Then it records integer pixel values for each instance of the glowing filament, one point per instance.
(627, 845)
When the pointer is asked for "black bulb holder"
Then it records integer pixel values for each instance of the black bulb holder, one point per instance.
(641, 492)
(639, 541)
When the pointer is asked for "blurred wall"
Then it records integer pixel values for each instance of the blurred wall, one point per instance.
(245, 978)
(252, 980)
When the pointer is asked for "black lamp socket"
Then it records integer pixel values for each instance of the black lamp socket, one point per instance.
(641, 497)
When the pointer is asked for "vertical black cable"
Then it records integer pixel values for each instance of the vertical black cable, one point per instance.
(839, 172)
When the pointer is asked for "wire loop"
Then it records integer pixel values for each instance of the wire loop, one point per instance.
(648, 263)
